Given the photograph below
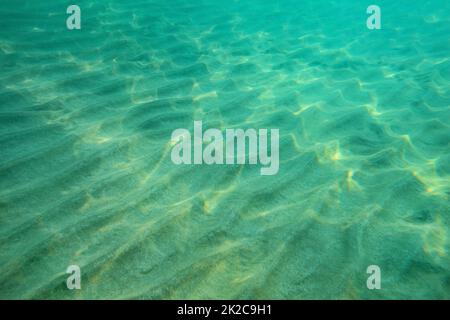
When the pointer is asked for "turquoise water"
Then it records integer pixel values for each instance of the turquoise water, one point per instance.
(86, 176)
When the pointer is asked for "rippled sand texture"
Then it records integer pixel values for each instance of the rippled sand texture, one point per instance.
(85, 170)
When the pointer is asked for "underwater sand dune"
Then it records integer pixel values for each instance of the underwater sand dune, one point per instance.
(85, 170)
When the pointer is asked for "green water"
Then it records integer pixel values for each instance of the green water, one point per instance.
(86, 176)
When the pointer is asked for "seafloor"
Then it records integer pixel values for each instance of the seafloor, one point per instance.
(86, 176)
